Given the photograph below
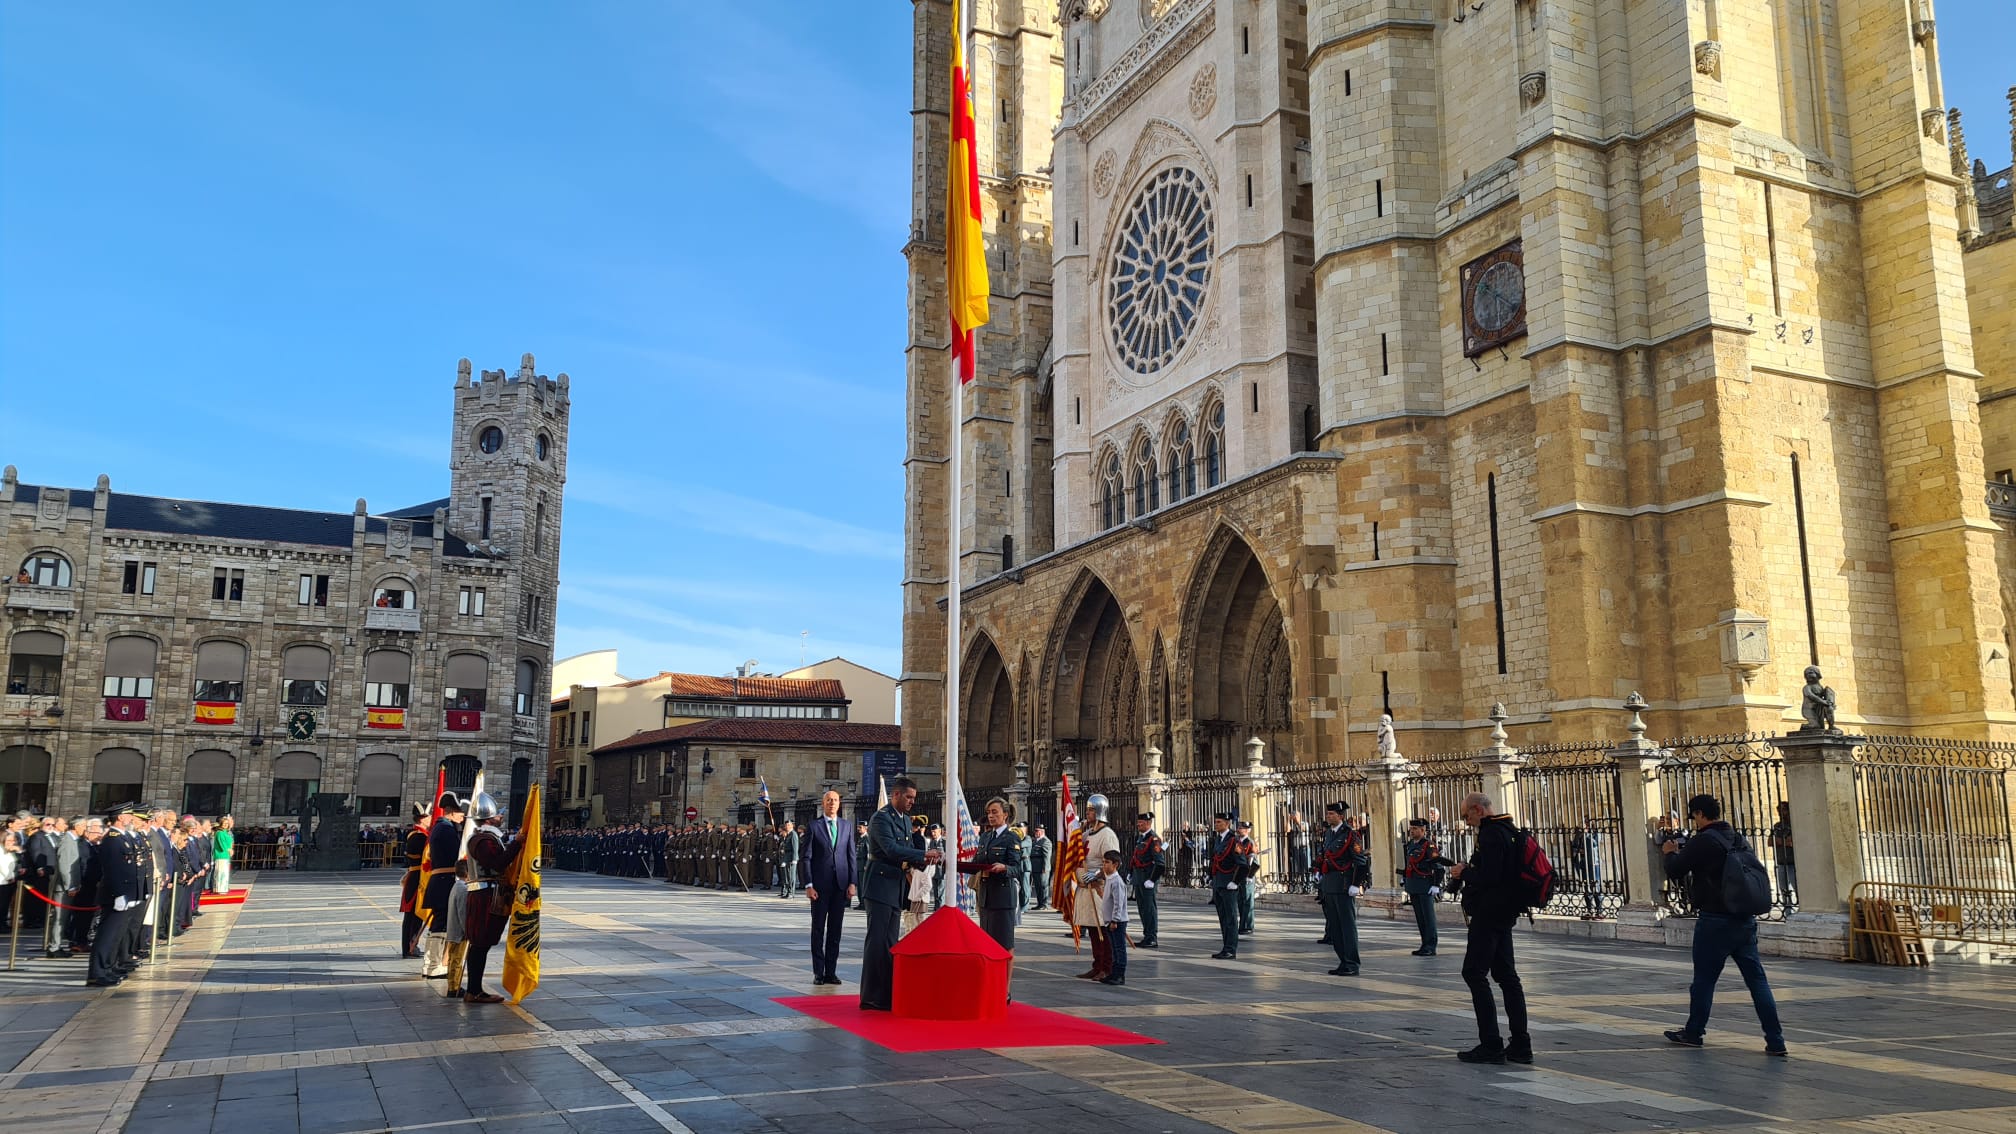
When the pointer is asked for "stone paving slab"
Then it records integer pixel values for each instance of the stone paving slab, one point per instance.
(293, 1013)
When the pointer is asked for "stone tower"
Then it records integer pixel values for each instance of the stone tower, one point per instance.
(1006, 413)
(507, 466)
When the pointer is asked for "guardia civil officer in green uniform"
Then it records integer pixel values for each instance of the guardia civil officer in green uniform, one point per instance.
(889, 850)
(995, 867)
(1338, 863)
(1228, 861)
(1145, 867)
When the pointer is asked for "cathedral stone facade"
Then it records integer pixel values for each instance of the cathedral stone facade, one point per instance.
(1353, 357)
(231, 658)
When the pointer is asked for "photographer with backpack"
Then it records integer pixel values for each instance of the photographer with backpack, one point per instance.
(1729, 888)
(1496, 888)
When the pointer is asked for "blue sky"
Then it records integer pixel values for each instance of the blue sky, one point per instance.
(239, 240)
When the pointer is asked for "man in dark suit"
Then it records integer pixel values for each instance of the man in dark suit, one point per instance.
(1039, 867)
(826, 863)
(889, 851)
(997, 863)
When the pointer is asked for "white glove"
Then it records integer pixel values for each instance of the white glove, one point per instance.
(120, 903)
(1434, 891)
(1147, 885)
(1354, 891)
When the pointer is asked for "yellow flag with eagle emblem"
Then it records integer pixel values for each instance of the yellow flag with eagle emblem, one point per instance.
(521, 936)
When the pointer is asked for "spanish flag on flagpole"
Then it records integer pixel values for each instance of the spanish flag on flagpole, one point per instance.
(965, 255)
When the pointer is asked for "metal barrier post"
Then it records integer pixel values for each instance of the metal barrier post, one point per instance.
(14, 920)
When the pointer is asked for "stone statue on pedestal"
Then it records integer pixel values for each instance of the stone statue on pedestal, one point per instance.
(1389, 748)
(329, 830)
(1816, 704)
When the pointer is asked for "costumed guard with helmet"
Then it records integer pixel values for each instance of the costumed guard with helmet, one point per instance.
(488, 908)
(444, 848)
(411, 923)
(1099, 838)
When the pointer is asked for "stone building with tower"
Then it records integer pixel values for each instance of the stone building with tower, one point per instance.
(1353, 357)
(238, 658)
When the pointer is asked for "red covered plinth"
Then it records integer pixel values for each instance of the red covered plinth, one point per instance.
(948, 969)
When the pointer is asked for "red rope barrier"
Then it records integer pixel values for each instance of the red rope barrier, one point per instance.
(54, 902)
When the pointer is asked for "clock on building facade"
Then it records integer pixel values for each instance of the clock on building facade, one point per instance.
(1494, 299)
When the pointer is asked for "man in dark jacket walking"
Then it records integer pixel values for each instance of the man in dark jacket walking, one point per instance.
(1720, 935)
(1491, 898)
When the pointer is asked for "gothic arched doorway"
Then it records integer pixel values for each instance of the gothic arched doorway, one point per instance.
(1237, 678)
(986, 718)
(1094, 687)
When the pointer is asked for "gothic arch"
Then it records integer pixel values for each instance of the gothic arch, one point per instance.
(986, 716)
(1090, 692)
(1235, 662)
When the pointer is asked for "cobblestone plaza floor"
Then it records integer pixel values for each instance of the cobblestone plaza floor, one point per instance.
(293, 1013)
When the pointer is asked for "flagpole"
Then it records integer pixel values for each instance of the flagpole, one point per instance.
(950, 777)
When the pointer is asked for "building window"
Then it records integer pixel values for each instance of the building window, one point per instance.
(586, 739)
(471, 602)
(1112, 495)
(206, 784)
(528, 686)
(1214, 446)
(748, 768)
(314, 590)
(129, 677)
(538, 528)
(296, 776)
(304, 675)
(220, 672)
(395, 594)
(388, 676)
(138, 578)
(490, 439)
(534, 613)
(44, 569)
(1147, 487)
(465, 681)
(35, 664)
(832, 769)
(116, 776)
(486, 517)
(1007, 552)
(381, 779)
(227, 584)
(541, 446)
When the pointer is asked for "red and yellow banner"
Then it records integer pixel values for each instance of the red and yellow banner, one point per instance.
(384, 718)
(965, 249)
(465, 720)
(125, 708)
(216, 712)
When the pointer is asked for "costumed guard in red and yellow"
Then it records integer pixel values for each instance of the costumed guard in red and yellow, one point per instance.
(491, 853)
(411, 924)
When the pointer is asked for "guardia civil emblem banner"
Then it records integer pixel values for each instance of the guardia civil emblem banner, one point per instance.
(521, 937)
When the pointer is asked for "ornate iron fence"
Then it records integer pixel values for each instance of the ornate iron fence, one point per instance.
(1435, 792)
(1935, 812)
(1747, 776)
(1568, 798)
(1302, 794)
(1193, 799)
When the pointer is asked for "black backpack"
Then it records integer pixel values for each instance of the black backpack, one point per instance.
(1746, 885)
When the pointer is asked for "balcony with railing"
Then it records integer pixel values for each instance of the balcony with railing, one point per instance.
(30, 596)
(392, 618)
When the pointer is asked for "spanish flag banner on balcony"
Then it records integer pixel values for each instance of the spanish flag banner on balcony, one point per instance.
(965, 252)
(384, 718)
(216, 712)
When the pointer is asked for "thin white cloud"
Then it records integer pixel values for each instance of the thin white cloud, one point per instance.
(730, 514)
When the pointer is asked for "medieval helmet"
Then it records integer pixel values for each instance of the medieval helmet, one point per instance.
(485, 807)
(1096, 806)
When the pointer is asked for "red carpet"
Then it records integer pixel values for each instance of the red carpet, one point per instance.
(1024, 1027)
(232, 898)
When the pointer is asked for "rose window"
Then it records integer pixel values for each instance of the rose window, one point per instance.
(1160, 269)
